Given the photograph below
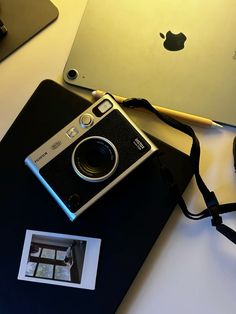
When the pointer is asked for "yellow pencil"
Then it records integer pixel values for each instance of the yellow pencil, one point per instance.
(189, 118)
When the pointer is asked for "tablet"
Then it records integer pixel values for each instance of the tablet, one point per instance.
(177, 54)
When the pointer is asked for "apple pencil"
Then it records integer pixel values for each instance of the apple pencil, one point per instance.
(189, 118)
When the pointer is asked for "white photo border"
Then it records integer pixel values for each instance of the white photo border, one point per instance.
(90, 265)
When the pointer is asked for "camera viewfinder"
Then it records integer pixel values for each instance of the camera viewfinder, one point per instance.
(102, 108)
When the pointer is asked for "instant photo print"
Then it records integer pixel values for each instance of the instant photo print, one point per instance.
(59, 259)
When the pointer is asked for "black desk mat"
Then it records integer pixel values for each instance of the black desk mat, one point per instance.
(128, 218)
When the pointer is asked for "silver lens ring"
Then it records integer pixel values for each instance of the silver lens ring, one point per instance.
(95, 159)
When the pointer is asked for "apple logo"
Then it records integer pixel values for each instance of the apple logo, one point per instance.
(173, 42)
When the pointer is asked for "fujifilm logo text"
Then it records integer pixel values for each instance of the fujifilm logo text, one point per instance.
(40, 157)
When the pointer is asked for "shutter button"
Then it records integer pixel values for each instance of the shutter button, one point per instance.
(86, 120)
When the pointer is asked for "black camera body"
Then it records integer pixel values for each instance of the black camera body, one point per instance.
(89, 156)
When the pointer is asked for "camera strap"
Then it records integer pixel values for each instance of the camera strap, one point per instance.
(213, 208)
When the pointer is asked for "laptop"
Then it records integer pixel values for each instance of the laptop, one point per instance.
(177, 54)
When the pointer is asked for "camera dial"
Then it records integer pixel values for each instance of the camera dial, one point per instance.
(95, 159)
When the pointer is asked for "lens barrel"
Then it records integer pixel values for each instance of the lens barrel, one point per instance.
(95, 159)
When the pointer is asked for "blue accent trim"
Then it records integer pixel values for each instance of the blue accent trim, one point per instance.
(35, 170)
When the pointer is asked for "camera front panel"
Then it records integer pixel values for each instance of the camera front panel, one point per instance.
(59, 172)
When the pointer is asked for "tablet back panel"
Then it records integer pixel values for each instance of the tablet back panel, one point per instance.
(119, 47)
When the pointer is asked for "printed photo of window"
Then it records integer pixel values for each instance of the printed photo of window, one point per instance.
(56, 259)
(59, 259)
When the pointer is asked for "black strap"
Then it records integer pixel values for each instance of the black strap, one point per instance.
(214, 209)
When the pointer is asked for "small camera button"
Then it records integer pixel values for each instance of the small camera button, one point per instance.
(86, 120)
(74, 202)
(72, 132)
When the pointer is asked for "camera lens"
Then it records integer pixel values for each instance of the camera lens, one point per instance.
(95, 159)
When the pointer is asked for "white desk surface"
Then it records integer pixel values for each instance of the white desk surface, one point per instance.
(192, 268)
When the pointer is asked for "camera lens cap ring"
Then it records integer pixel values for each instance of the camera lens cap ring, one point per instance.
(95, 159)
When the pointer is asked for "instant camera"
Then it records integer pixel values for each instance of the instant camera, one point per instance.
(90, 155)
